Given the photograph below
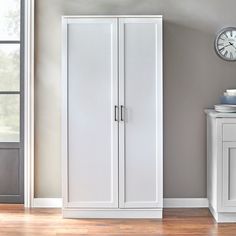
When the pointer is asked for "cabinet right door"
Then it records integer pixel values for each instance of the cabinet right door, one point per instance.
(140, 100)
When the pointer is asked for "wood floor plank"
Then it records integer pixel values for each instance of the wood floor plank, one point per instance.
(15, 220)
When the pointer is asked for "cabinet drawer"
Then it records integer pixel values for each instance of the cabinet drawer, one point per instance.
(229, 132)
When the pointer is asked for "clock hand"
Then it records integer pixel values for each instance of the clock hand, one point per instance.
(232, 44)
(225, 47)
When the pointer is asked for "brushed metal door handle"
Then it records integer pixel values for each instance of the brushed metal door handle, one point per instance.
(122, 113)
(116, 113)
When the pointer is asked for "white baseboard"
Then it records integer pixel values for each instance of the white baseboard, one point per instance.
(186, 203)
(47, 203)
(168, 203)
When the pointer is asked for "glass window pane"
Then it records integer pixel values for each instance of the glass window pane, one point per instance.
(9, 118)
(9, 19)
(9, 67)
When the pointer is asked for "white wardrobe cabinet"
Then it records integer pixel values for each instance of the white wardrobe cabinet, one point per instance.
(221, 165)
(112, 116)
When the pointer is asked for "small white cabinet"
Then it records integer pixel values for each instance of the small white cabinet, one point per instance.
(112, 116)
(221, 165)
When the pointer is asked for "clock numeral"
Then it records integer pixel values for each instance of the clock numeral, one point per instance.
(231, 55)
(223, 36)
(226, 53)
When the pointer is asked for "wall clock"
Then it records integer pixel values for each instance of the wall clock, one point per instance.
(225, 44)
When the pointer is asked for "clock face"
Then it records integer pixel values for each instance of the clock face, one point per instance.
(225, 44)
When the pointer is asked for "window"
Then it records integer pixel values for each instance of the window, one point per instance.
(11, 59)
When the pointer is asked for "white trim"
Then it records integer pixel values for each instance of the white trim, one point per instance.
(64, 110)
(47, 202)
(29, 103)
(112, 213)
(186, 203)
(168, 202)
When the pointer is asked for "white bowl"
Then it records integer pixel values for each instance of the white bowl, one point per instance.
(231, 92)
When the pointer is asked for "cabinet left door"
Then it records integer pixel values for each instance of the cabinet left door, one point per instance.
(228, 203)
(89, 127)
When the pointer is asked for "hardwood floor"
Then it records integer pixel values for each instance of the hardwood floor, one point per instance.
(15, 220)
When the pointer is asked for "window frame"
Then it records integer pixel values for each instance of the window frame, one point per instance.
(19, 42)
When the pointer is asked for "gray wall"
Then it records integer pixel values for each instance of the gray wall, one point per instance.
(194, 78)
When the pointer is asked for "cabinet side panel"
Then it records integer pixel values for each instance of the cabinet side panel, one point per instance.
(212, 162)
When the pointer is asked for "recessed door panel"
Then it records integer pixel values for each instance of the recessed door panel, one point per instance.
(140, 92)
(92, 130)
(229, 175)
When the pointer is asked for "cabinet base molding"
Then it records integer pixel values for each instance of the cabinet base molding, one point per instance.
(223, 217)
(112, 213)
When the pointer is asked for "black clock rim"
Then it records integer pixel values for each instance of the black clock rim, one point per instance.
(218, 34)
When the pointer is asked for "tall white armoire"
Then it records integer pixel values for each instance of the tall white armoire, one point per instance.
(112, 117)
